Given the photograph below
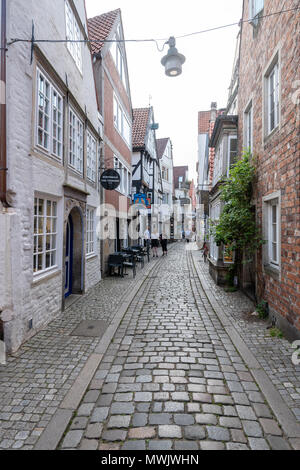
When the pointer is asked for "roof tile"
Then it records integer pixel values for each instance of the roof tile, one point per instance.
(100, 27)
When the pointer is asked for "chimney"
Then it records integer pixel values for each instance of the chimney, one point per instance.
(213, 111)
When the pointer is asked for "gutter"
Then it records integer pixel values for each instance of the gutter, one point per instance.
(3, 156)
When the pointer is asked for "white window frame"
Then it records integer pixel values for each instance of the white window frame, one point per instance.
(119, 60)
(73, 33)
(230, 138)
(269, 202)
(76, 142)
(255, 7)
(125, 175)
(91, 157)
(272, 70)
(273, 238)
(248, 127)
(41, 230)
(90, 232)
(50, 116)
(120, 121)
(273, 98)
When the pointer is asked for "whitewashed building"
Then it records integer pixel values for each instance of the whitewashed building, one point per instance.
(53, 145)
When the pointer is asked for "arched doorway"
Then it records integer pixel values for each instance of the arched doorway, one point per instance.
(74, 253)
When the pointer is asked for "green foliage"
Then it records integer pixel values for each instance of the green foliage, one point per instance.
(230, 289)
(276, 333)
(262, 310)
(230, 276)
(236, 228)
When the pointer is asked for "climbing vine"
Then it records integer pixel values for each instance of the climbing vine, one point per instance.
(236, 227)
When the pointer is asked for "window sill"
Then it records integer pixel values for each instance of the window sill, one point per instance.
(44, 276)
(91, 256)
(42, 151)
(272, 271)
(270, 135)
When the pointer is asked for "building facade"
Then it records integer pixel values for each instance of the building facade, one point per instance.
(268, 108)
(146, 169)
(224, 142)
(114, 100)
(53, 141)
(205, 164)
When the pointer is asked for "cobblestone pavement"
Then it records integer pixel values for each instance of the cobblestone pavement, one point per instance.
(274, 354)
(38, 377)
(172, 378)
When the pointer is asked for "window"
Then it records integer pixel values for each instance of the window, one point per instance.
(73, 34)
(272, 233)
(118, 56)
(75, 142)
(45, 234)
(272, 105)
(248, 132)
(232, 152)
(90, 231)
(57, 131)
(165, 173)
(125, 175)
(49, 116)
(255, 7)
(91, 157)
(215, 215)
(273, 238)
(121, 122)
(218, 164)
(166, 198)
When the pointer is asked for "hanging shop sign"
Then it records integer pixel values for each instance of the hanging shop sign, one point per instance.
(141, 198)
(110, 179)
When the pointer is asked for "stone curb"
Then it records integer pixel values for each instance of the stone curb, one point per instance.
(283, 414)
(56, 428)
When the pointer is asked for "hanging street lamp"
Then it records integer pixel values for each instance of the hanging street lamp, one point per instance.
(173, 60)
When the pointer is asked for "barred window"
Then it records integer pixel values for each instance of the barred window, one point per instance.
(45, 234)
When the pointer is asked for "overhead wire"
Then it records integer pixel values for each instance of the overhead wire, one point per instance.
(101, 41)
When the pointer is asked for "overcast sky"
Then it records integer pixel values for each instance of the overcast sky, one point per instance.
(206, 73)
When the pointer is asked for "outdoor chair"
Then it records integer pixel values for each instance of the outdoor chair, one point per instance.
(139, 254)
(130, 263)
(116, 261)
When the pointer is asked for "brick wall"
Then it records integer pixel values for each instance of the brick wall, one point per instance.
(278, 156)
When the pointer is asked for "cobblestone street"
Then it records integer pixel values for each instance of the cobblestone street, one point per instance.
(174, 376)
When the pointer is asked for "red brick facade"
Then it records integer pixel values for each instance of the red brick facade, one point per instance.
(278, 154)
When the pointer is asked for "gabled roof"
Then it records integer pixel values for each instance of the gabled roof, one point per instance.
(100, 27)
(161, 146)
(177, 172)
(140, 126)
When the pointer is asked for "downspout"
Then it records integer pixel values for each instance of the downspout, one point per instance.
(3, 159)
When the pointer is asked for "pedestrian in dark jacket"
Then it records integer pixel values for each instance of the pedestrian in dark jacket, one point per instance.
(164, 243)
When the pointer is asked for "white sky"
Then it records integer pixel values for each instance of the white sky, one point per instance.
(206, 74)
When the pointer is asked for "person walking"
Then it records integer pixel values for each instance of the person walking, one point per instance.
(187, 235)
(164, 243)
(154, 243)
(205, 251)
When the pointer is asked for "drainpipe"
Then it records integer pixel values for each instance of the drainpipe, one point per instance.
(3, 159)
